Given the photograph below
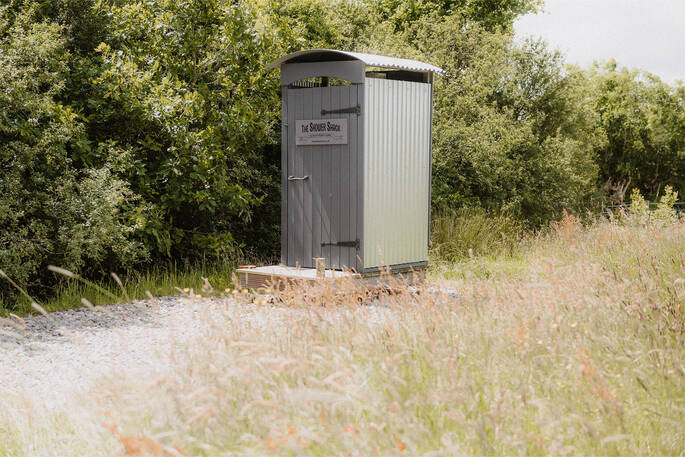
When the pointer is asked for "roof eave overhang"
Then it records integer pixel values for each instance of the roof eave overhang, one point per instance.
(370, 60)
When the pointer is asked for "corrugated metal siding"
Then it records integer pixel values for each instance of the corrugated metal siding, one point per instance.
(397, 124)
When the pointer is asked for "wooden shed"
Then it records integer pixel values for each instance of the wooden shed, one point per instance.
(356, 160)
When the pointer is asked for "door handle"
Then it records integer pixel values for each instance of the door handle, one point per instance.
(293, 178)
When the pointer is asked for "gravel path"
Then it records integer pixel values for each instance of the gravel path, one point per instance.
(59, 356)
(53, 358)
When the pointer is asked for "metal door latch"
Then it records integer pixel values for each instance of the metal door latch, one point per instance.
(293, 178)
(344, 244)
(354, 110)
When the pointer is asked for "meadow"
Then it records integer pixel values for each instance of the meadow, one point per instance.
(567, 342)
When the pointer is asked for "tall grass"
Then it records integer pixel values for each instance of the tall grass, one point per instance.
(160, 281)
(469, 232)
(580, 353)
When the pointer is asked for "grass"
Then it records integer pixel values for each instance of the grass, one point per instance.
(474, 232)
(164, 281)
(571, 345)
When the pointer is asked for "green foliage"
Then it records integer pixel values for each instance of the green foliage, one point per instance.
(664, 213)
(665, 210)
(190, 78)
(639, 208)
(512, 128)
(492, 15)
(96, 220)
(644, 120)
(133, 133)
(50, 211)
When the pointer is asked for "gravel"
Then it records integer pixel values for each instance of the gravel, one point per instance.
(61, 355)
(53, 358)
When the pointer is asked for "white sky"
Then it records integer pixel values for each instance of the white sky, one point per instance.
(645, 34)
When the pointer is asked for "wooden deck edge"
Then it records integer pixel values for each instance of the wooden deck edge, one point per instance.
(262, 281)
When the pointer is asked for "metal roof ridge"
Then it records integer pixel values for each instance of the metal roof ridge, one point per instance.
(371, 60)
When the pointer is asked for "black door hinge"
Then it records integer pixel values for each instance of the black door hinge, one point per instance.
(354, 109)
(344, 244)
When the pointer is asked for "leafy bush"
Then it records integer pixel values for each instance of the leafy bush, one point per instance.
(190, 98)
(512, 128)
(664, 213)
(639, 208)
(49, 210)
(644, 120)
(665, 209)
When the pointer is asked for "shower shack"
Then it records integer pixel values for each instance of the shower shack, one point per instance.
(356, 164)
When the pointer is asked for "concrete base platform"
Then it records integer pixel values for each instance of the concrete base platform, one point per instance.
(276, 276)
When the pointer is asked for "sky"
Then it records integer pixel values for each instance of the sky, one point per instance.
(644, 34)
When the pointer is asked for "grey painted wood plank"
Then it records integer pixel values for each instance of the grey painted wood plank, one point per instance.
(336, 191)
(346, 255)
(307, 154)
(299, 189)
(325, 194)
(292, 229)
(332, 187)
(430, 162)
(316, 183)
(284, 174)
(325, 208)
(330, 206)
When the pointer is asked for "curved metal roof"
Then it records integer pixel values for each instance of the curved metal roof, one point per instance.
(370, 60)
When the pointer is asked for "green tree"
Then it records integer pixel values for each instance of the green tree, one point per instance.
(50, 211)
(513, 129)
(195, 108)
(644, 121)
(492, 15)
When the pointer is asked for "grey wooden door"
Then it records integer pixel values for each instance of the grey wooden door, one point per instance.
(323, 185)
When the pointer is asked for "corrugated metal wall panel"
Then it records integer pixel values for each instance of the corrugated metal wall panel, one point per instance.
(396, 172)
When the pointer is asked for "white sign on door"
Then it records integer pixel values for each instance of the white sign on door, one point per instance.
(321, 131)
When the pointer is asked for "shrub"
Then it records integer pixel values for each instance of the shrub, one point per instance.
(513, 130)
(639, 212)
(644, 121)
(50, 212)
(665, 210)
(639, 208)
